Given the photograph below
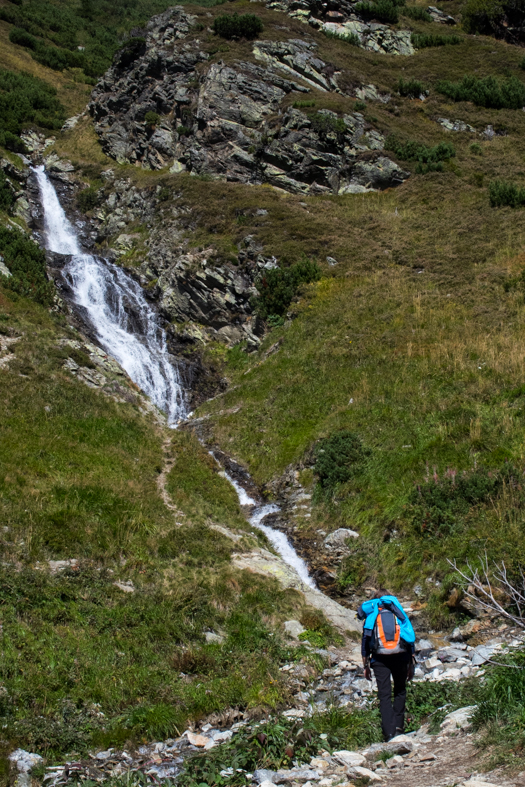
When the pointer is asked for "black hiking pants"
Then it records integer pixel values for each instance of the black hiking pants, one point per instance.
(386, 669)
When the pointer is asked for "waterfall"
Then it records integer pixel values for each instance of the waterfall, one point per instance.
(278, 539)
(124, 323)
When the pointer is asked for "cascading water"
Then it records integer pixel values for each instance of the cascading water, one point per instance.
(276, 537)
(108, 297)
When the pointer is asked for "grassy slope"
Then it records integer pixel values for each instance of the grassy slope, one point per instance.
(78, 479)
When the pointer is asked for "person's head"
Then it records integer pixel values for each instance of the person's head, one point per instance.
(380, 593)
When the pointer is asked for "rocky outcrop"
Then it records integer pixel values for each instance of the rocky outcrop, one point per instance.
(342, 20)
(229, 120)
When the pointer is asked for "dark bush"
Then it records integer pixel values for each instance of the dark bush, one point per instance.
(23, 38)
(430, 159)
(27, 263)
(7, 198)
(502, 193)
(278, 286)
(422, 40)
(438, 507)
(151, 118)
(25, 99)
(338, 458)
(417, 13)
(486, 91)
(411, 88)
(324, 123)
(87, 199)
(382, 10)
(235, 26)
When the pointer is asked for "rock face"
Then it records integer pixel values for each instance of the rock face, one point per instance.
(340, 18)
(227, 120)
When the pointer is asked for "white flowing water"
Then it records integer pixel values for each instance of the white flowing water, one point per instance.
(278, 539)
(123, 321)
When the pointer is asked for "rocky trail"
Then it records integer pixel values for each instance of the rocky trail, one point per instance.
(449, 757)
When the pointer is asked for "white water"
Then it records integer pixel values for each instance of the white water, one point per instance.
(278, 539)
(123, 321)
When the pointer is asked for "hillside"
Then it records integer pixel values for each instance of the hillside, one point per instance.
(325, 211)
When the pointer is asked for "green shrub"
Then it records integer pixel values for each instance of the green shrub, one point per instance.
(26, 99)
(324, 123)
(235, 26)
(7, 198)
(87, 199)
(439, 506)
(493, 17)
(423, 40)
(22, 38)
(486, 91)
(430, 159)
(350, 38)
(151, 118)
(476, 149)
(411, 88)
(183, 131)
(417, 13)
(303, 104)
(27, 263)
(502, 193)
(522, 64)
(278, 286)
(338, 458)
(382, 10)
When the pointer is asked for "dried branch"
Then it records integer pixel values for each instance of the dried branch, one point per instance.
(485, 582)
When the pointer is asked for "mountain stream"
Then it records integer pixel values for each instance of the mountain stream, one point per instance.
(107, 296)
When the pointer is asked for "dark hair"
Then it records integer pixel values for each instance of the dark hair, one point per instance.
(380, 593)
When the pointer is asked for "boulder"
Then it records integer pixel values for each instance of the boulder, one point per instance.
(337, 540)
(349, 758)
(457, 720)
(293, 628)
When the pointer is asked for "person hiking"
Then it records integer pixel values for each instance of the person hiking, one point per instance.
(387, 647)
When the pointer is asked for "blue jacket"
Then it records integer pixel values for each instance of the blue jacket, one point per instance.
(368, 612)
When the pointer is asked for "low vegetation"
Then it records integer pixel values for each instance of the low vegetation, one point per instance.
(411, 88)
(429, 159)
(382, 10)
(503, 193)
(23, 100)
(417, 13)
(487, 91)
(277, 287)
(237, 26)
(424, 40)
(27, 263)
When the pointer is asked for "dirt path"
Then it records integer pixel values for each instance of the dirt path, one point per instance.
(451, 761)
(162, 479)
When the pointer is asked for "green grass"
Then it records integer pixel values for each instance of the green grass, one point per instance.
(78, 479)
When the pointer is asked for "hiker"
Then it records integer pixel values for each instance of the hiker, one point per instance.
(387, 647)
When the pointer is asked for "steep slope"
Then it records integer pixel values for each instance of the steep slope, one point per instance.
(209, 169)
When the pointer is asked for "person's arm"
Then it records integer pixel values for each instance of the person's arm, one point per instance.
(365, 653)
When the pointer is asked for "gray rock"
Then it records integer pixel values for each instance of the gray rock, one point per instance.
(24, 762)
(229, 114)
(300, 775)
(458, 720)
(424, 644)
(440, 16)
(447, 655)
(337, 540)
(293, 628)
(481, 654)
(4, 270)
(263, 775)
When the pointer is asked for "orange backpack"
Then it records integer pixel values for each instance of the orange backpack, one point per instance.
(387, 634)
